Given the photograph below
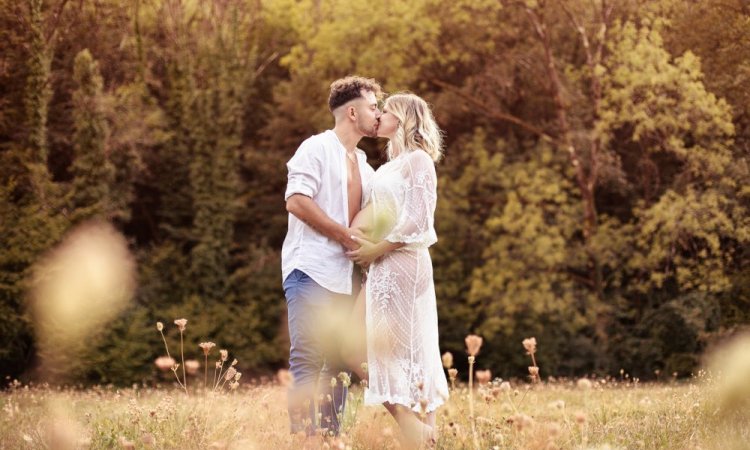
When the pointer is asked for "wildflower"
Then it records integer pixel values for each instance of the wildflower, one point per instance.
(230, 373)
(164, 363)
(181, 323)
(346, 380)
(284, 377)
(333, 382)
(159, 326)
(534, 371)
(530, 345)
(206, 346)
(584, 383)
(237, 376)
(505, 386)
(483, 376)
(452, 373)
(148, 439)
(192, 366)
(126, 444)
(473, 344)
(234, 362)
(218, 364)
(447, 360)
(224, 355)
(233, 385)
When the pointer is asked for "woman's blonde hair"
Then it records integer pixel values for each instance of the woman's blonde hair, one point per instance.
(417, 127)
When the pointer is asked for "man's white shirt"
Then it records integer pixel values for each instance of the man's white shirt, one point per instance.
(318, 170)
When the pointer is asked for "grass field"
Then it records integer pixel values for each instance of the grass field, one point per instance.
(561, 414)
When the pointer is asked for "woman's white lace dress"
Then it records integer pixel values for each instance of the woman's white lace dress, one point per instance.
(403, 355)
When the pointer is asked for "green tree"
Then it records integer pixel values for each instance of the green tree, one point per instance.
(93, 172)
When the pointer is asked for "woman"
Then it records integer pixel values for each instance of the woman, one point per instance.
(404, 368)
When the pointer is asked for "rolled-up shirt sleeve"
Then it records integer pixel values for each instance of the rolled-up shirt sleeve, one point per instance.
(304, 171)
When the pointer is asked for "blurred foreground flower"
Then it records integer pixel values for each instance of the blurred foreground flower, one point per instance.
(284, 377)
(77, 288)
(730, 363)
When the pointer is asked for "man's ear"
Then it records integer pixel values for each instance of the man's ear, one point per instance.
(351, 112)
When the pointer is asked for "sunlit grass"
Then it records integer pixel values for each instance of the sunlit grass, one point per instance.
(560, 414)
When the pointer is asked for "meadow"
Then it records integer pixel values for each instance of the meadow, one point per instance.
(588, 413)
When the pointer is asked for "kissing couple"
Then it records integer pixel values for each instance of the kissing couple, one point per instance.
(356, 269)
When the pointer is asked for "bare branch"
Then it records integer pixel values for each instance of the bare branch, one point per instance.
(492, 112)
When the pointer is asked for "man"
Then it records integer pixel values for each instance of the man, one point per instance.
(324, 193)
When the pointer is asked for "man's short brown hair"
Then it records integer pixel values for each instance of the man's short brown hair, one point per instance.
(346, 89)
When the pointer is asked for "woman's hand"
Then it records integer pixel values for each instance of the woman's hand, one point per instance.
(366, 253)
(369, 251)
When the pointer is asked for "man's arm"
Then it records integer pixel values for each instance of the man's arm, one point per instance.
(306, 210)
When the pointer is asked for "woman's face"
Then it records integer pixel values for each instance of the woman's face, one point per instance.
(388, 124)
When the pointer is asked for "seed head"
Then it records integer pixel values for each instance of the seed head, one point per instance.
(452, 373)
(224, 355)
(192, 366)
(534, 371)
(530, 345)
(483, 376)
(181, 323)
(473, 344)
(333, 382)
(206, 346)
(505, 386)
(346, 380)
(230, 373)
(164, 363)
(159, 326)
(447, 360)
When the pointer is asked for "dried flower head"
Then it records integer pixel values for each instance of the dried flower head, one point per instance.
(159, 326)
(181, 323)
(584, 383)
(505, 386)
(164, 363)
(218, 364)
(224, 354)
(447, 360)
(483, 376)
(452, 373)
(530, 345)
(473, 344)
(333, 382)
(206, 346)
(234, 362)
(237, 376)
(192, 366)
(346, 380)
(234, 385)
(230, 373)
(534, 371)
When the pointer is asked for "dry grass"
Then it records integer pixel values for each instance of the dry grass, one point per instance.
(550, 415)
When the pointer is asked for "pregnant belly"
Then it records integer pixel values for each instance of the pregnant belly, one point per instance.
(363, 221)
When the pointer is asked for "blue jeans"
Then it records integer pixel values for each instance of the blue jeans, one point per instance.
(315, 331)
